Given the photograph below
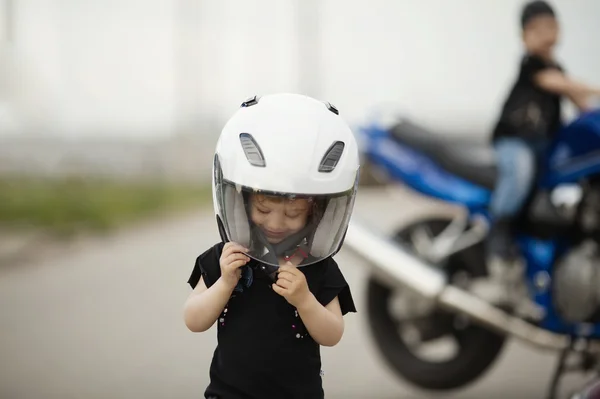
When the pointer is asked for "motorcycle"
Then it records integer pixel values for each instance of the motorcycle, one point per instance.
(424, 279)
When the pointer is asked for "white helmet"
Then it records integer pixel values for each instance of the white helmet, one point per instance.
(285, 176)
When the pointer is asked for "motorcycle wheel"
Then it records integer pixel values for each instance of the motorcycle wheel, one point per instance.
(476, 347)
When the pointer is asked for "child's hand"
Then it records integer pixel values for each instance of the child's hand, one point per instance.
(291, 284)
(231, 260)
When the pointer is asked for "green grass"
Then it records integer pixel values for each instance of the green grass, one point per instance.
(66, 206)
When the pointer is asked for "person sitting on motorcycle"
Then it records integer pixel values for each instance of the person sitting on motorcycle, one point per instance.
(530, 116)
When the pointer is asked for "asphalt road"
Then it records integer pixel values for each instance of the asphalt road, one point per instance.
(104, 320)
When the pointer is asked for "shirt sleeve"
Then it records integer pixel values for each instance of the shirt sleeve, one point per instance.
(334, 284)
(207, 266)
(533, 64)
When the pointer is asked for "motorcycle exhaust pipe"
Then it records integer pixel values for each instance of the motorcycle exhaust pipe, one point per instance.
(401, 268)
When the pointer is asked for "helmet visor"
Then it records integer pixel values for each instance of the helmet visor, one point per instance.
(281, 227)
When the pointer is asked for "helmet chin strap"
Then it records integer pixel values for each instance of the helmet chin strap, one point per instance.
(285, 247)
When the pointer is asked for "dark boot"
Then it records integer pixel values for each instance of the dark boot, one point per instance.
(502, 285)
(499, 242)
(501, 258)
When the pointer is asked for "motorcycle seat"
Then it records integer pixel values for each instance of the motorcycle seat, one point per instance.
(470, 160)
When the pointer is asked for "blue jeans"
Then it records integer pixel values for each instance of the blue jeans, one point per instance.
(517, 166)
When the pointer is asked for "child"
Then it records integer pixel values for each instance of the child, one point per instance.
(530, 117)
(284, 181)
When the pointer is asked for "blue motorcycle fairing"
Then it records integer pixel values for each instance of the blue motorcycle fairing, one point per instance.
(421, 173)
(575, 152)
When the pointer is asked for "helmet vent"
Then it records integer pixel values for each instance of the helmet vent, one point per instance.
(250, 101)
(332, 108)
(252, 150)
(331, 157)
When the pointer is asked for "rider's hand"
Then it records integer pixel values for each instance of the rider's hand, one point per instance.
(232, 258)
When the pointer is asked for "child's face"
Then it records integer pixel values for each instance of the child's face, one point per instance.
(278, 217)
(541, 34)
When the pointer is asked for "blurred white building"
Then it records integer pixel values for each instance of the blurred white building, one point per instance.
(152, 69)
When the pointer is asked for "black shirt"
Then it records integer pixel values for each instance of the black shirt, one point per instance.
(530, 112)
(264, 351)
